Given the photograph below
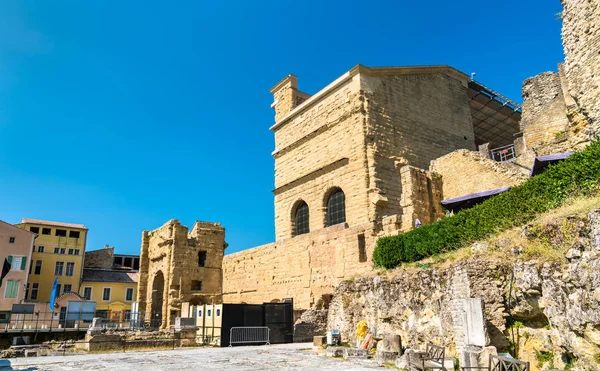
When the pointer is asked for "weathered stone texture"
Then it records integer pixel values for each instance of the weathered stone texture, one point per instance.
(103, 258)
(464, 172)
(557, 304)
(581, 42)
(170, 265)
(544, 109)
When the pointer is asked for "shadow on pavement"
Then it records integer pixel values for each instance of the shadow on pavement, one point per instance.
(5, 365)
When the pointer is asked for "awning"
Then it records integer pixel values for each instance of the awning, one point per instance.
(541, 162)
(464, 202)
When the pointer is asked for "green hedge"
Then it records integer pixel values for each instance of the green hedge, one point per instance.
(579, 174)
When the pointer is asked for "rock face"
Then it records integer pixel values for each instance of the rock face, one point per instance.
(313, 322)
(550, 307)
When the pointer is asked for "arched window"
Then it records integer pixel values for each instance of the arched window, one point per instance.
(336, 208)
(301, 219)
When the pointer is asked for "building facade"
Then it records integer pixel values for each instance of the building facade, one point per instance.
(58, 253)
(16, 246)
(350, 167)
(177, 266)
(114, 291)
(111, 281)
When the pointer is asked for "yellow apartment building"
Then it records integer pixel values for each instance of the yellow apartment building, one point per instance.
(58, 252)
(113, 291)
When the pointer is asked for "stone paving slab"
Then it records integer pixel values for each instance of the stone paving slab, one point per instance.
(298, 356)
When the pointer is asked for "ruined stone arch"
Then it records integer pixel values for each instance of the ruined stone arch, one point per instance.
(157, 299)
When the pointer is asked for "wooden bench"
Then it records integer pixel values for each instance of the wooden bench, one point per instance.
(498, 363)
(432, 359)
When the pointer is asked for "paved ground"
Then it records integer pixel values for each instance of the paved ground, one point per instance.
(270, 357)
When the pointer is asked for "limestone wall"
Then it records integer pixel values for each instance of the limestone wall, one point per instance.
(544, 109)
(319, 150)
(412, 119)
(581, 42)
(307, 267)
(464, 172)
(170, 266)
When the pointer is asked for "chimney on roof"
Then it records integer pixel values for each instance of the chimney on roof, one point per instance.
(286, 96)
(106, 246)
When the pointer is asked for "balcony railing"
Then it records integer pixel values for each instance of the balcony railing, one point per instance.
(504, 153)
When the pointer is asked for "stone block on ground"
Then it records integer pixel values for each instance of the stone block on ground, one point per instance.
(355, 353)
(318, 341)
(385, 357)
(390, 343)
(334, 351)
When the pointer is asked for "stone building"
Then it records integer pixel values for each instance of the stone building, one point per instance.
(349, 168)
(178, 266)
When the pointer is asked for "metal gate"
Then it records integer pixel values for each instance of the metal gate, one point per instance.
(244, 335)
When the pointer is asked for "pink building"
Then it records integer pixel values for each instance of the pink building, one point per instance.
(16, 246)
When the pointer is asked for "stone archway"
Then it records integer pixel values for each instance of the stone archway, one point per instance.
(158, 289)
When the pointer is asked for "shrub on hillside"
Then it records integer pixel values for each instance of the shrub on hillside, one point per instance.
(578, 174)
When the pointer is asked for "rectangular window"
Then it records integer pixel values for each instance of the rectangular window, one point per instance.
(218, 312)
(63, 251)
(12, 289)
(102, 314)
(61, 233)
(202, 259)
(11, 240)
(34, 290)
(46, 231)
(58, 287)
(70, 269)
(76, 251)
(129, 294)
(196, 286)
(57, 250)
(40, 248)
(34, 229)
(58, 268)
(74, 234)
(106, 294)
(71, 252)
(27, 291)
(17, 263)
(30, 266)
(208, 313)
(38, 267)
(87, 293)
(68, 288)
(127, 316)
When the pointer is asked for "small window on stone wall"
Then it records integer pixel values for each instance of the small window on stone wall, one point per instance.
(336, 208)
(196, 286)
(301, 219)
(362, 248)
(202, 258)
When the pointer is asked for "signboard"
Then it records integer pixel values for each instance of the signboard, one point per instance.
(81, 310)
(22, 309)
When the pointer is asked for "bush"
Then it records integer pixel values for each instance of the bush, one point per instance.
(578, 174)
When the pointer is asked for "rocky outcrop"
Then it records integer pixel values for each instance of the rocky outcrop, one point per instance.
(532, 307)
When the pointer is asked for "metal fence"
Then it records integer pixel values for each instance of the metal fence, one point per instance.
(505, 153)
(80, 321)
(245, 335)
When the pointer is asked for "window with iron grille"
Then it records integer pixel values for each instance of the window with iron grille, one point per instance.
(301, 219)
(336, 208)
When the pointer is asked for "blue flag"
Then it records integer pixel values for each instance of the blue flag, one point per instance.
(53, 294)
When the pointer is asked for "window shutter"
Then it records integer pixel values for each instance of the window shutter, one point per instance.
(23, 263)
(9, 259)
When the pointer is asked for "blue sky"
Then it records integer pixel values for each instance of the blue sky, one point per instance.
(122, 115)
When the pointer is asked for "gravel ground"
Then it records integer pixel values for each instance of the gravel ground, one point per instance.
(299, 356)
